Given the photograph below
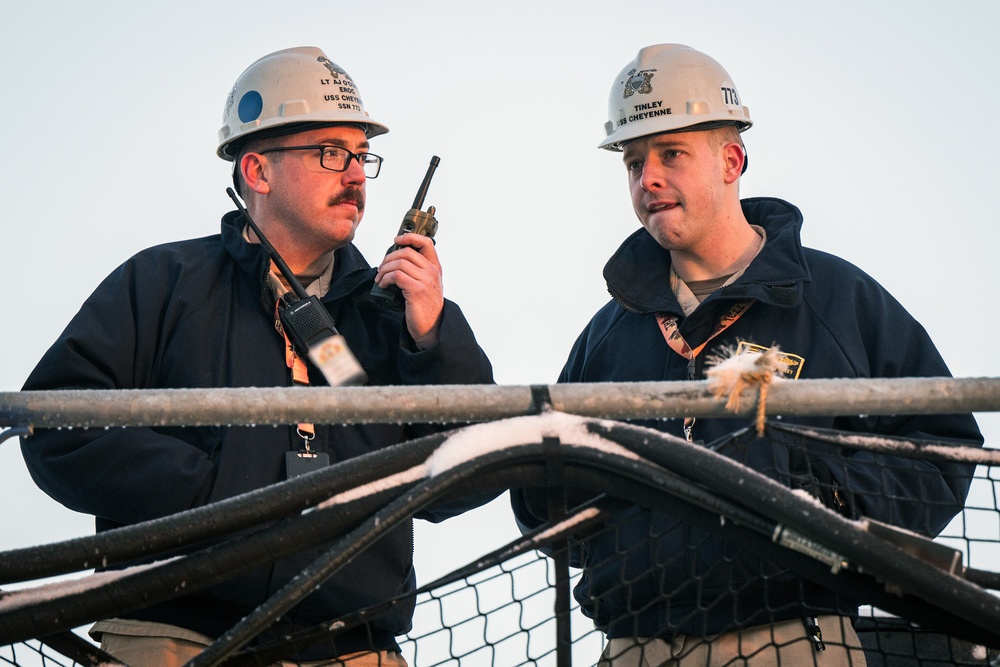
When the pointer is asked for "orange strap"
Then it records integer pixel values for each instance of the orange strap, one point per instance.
(668, 327)
(300, 375)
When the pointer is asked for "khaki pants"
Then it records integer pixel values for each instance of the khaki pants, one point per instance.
(783, 644)
(140, 651)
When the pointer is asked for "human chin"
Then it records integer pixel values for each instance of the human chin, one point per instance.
(664, 232)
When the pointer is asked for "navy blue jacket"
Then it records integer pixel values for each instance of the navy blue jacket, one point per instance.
(199, 314)
(841, 324)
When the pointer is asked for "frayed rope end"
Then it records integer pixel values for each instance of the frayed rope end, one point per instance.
(733, 372)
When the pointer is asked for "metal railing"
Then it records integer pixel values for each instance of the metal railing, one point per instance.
(471, 403)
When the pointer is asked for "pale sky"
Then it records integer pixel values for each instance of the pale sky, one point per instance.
(876, 119)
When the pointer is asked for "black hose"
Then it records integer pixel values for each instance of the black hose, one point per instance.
(159, 536)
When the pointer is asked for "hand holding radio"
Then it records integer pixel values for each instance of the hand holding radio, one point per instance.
(417, 222)
(415, 270)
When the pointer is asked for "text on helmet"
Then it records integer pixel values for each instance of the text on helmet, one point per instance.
(643, 111)
(347, 98)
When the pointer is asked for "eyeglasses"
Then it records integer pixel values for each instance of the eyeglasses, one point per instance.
(335, 158)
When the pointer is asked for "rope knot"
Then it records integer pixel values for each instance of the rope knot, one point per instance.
(734, 372)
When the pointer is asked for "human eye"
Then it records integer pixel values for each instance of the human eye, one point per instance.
(334, 157)
(633, 165)
(334, 152)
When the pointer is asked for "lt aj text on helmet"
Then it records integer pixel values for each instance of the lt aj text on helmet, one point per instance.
(287, 91)
(667, 88)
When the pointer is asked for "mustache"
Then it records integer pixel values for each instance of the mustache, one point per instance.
(351, 194)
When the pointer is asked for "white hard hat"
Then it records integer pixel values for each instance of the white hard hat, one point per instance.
(286, 89)
(670, 87)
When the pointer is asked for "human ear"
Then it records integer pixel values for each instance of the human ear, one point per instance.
(252, 166)
(733, 156)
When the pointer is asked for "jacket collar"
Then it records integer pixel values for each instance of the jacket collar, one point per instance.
(638, 274)
(350, 269)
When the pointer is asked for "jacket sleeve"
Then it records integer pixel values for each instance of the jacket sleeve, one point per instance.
(457, 358)
(121, 476)
(917, 494)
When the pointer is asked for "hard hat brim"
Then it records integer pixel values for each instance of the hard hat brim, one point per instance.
(230, 149)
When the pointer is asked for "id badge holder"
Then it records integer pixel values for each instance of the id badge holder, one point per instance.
(304, 460)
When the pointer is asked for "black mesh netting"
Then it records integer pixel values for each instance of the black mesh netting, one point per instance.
(660, 544)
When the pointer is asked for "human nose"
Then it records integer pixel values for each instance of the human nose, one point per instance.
(355, 172)
(653, 175)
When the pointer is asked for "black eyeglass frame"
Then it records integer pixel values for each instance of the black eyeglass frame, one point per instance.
(322, 148)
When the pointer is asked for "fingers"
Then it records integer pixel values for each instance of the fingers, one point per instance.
(415, 269)
(413, 266)
(415, 250)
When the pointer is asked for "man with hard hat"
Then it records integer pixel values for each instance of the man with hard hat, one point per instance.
(709, 273)
(202, 314)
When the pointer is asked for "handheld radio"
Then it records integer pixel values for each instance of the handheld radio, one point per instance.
(417, 222)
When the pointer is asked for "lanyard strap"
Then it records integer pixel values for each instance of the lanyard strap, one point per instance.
(668, 327)
(300, 374)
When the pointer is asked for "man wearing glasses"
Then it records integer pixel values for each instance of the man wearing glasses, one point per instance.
(204, 313)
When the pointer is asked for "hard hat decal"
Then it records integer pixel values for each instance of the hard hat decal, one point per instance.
(729, 95)
(344, 93)
(336, 71)
(645, 110)
(638, 82)
(251, 104)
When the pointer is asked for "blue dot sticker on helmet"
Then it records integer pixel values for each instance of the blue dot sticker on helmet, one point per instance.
(251, 104)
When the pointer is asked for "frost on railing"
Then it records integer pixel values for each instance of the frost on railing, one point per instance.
(922, 600)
